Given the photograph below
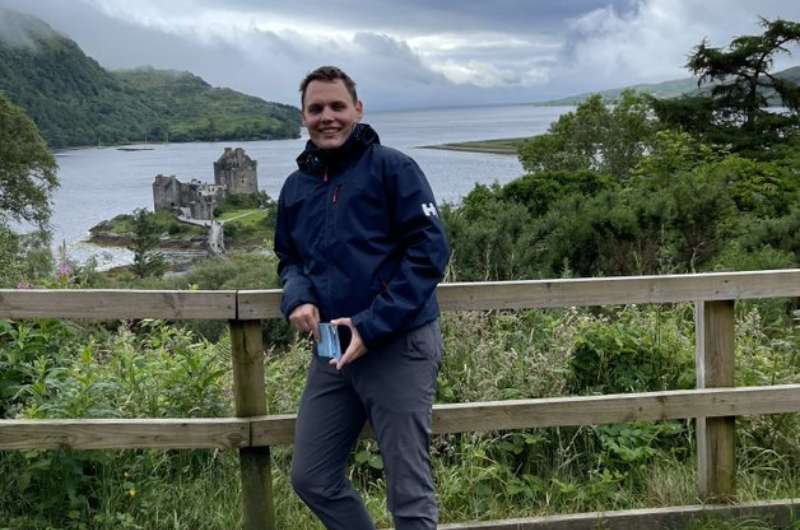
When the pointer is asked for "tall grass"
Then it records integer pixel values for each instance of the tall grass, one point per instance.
(152, 369)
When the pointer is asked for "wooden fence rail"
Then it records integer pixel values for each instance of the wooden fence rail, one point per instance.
(714, 403)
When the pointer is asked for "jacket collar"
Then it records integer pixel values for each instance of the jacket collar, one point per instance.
(314, 160)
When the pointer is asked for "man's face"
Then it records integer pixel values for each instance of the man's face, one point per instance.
(329, 113)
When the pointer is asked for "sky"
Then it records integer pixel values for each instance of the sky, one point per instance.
(412, 53)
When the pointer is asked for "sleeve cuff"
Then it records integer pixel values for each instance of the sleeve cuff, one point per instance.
(288, 307)
(364, 329)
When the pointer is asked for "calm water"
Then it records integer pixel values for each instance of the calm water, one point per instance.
(99, 183)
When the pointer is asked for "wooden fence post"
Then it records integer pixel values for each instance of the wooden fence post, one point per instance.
(248, 387)
(716, 437)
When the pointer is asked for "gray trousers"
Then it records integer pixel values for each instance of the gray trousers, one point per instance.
(392, 386)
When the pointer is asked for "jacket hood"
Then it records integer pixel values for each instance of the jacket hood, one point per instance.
(314, 160)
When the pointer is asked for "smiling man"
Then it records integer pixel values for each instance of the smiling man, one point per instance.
(360, 244)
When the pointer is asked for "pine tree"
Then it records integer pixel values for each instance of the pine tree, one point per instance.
(147, 261)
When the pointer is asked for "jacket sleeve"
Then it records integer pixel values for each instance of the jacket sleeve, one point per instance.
(425, 253)
(297, 287)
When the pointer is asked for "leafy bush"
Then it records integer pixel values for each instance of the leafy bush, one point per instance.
(149, 370)
(28, 351)
(627, 354)
(496, 247)
(595, 137)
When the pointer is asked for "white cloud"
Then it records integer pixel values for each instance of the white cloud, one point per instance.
(476, 73)
(651, 42)
(481, 59)
(417, 54)
(488, 59)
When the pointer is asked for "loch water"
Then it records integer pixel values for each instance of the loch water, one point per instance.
(102, 182)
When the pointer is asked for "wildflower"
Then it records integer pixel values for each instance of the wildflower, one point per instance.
(23, 284)
(64, 270)
(132, 492)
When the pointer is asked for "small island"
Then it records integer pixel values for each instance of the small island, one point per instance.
(500, 146)
(204, 218)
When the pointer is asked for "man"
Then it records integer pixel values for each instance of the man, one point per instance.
(361, 244)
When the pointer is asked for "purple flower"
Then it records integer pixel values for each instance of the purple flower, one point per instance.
(64, 270)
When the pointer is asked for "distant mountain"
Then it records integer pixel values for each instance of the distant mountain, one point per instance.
(664, 90)
(189, 107)
(74, 101)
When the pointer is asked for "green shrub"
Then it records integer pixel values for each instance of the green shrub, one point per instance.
(633, 352)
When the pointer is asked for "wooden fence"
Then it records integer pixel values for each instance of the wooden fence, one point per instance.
(714, 403)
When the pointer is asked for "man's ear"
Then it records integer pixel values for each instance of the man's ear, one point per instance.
(359, 110)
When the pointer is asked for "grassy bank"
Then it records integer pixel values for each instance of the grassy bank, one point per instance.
(245, 228)
(119, 231)
(502, 146)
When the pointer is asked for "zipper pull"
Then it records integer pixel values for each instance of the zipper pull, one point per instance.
(336, 193)
(325, 174)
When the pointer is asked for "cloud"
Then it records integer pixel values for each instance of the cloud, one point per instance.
(415, 53)
(652, 41)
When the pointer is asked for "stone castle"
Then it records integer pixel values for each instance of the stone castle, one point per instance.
(234, 173)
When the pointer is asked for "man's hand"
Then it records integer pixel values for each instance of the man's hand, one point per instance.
(305, 318)
(355, 349)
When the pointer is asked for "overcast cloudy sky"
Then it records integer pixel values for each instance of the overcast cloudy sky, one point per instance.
(412, 53)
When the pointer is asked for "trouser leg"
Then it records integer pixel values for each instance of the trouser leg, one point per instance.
(397, 384)
(329, 420)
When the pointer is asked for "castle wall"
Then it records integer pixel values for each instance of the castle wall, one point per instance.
(236, 171)
(202, 209)
(166, 193)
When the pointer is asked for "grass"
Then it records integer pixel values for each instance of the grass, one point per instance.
(479, 476)
(501, 146)
(246, 228)
(122, 225)
(245, 217)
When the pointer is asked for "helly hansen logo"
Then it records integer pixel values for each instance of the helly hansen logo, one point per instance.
(429, 209)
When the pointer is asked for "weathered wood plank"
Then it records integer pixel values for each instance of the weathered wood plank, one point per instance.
(460, 417)
(247, 350)
(262, 304)
(157, 433)
(779, 514)
(716, 437)
(105, 304)
(591, 410)
(619, 290)
(582, 291)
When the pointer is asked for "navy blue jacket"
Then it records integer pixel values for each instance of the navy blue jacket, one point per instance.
(359, 235)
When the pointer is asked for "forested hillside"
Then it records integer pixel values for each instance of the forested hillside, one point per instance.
(75, 101)
(191, 109)
(668, 89)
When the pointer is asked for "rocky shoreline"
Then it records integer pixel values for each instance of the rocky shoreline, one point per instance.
(104, 239)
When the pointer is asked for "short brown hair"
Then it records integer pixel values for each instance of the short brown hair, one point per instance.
(328, 74)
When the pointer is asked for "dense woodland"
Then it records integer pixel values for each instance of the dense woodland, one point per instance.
(641, 186)
(74, 101)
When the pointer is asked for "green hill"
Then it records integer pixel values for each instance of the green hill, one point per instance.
(75, 101)
(190, 109)
(666, 89)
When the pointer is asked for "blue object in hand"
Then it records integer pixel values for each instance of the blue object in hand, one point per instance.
(328, 345)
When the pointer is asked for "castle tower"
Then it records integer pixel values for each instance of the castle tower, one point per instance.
(166, 193)
(236, 171)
